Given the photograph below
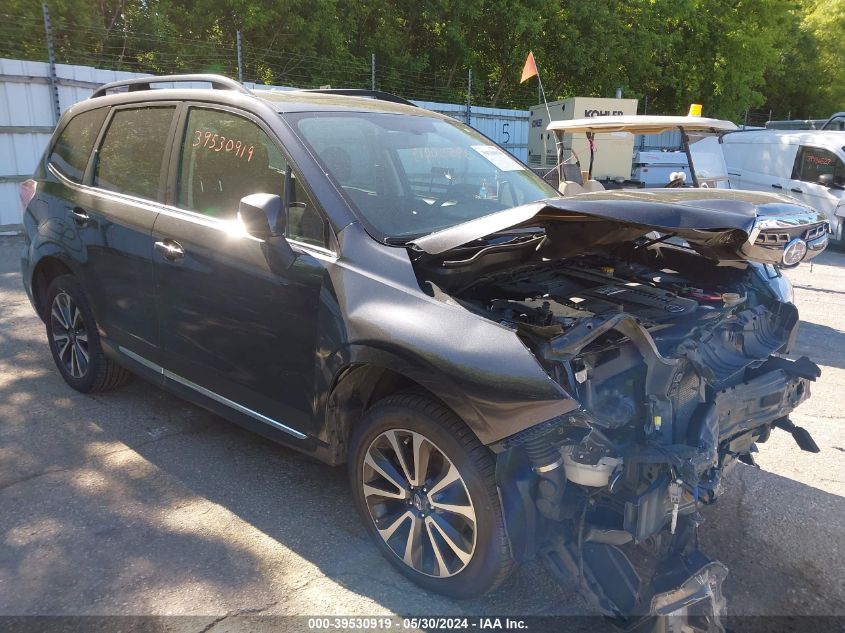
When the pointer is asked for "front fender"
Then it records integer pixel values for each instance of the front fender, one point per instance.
(416, 370)
(479, 368)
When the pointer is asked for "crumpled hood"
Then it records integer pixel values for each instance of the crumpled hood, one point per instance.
(693, 214)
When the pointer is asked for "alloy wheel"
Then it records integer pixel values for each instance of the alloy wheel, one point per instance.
(419, 503)
(70, 336)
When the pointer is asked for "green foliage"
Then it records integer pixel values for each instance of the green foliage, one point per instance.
(730, 55)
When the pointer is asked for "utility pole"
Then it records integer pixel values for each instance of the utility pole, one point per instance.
(469, 96)
(240, 59)
(51, 58)
(373, 71)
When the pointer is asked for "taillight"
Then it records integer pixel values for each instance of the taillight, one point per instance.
(27, 193)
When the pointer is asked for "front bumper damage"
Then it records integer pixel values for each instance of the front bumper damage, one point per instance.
(628, 539)
(684, 595)
(695, 602)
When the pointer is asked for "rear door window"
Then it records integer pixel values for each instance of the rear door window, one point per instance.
(72, 149)
(130, 157)
(814, 164)
(225, 157)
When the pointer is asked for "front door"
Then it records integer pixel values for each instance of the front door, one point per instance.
(230, 327)
(818, 178)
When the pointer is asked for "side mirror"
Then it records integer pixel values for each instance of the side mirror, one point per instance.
(262, 217)
(826, 180)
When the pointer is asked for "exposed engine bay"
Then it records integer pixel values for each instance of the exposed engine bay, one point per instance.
(678, 363)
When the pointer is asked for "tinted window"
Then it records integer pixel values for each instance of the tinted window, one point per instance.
(72, 149)
(815, 165)
(226, 157)
(131, 154)
(305, 223)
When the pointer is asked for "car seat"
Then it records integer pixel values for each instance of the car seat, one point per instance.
(570, 188)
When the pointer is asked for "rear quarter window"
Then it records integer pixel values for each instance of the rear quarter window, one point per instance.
(70, 154)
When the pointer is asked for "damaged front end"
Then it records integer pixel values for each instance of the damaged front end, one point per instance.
(678, 364)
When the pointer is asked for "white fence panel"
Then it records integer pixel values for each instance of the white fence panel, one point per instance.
(26, 123)
(509, 128)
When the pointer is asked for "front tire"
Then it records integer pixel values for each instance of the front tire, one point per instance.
(75, 341)
(426, 490)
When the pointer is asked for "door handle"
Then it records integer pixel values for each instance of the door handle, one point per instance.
(796, 190)
(776, 186)
(79, 215)
(171, 250)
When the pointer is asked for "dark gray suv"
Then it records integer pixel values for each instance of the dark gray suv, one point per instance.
(507, 373)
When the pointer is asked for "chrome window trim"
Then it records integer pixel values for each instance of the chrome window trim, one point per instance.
(311, 249)
(105, 193)
(212, 395)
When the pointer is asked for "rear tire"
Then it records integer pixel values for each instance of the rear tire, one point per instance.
(74, 340)
(441, 523)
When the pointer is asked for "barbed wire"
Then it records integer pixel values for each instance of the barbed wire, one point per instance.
(23, 37)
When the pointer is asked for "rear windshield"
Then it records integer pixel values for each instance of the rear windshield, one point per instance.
(411, 175)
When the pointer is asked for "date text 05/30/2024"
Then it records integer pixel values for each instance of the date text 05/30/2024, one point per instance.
(424, 623)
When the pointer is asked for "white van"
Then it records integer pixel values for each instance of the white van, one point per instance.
(807, 165)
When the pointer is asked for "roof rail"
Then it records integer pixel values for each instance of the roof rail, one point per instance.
(363, 92)
(218, 82)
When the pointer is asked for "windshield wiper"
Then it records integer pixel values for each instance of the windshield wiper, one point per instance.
(399, 241)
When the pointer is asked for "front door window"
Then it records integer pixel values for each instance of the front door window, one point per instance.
(817, 165)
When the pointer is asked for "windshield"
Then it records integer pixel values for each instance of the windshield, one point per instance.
(709, 161)
(411, 175)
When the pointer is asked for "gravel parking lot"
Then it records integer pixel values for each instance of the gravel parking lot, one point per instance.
(135, 502)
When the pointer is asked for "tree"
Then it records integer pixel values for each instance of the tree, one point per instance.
(728, 55)
(824, 22)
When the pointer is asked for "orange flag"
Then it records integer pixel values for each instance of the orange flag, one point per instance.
(530, 68)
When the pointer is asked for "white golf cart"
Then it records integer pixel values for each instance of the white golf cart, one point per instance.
(701, 156)
(785, 232)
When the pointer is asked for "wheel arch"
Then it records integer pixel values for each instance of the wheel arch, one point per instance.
(45, 271)
(359, 385)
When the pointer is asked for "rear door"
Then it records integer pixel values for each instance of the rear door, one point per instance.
(231, 329)
(114, 216)
(770, 166)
